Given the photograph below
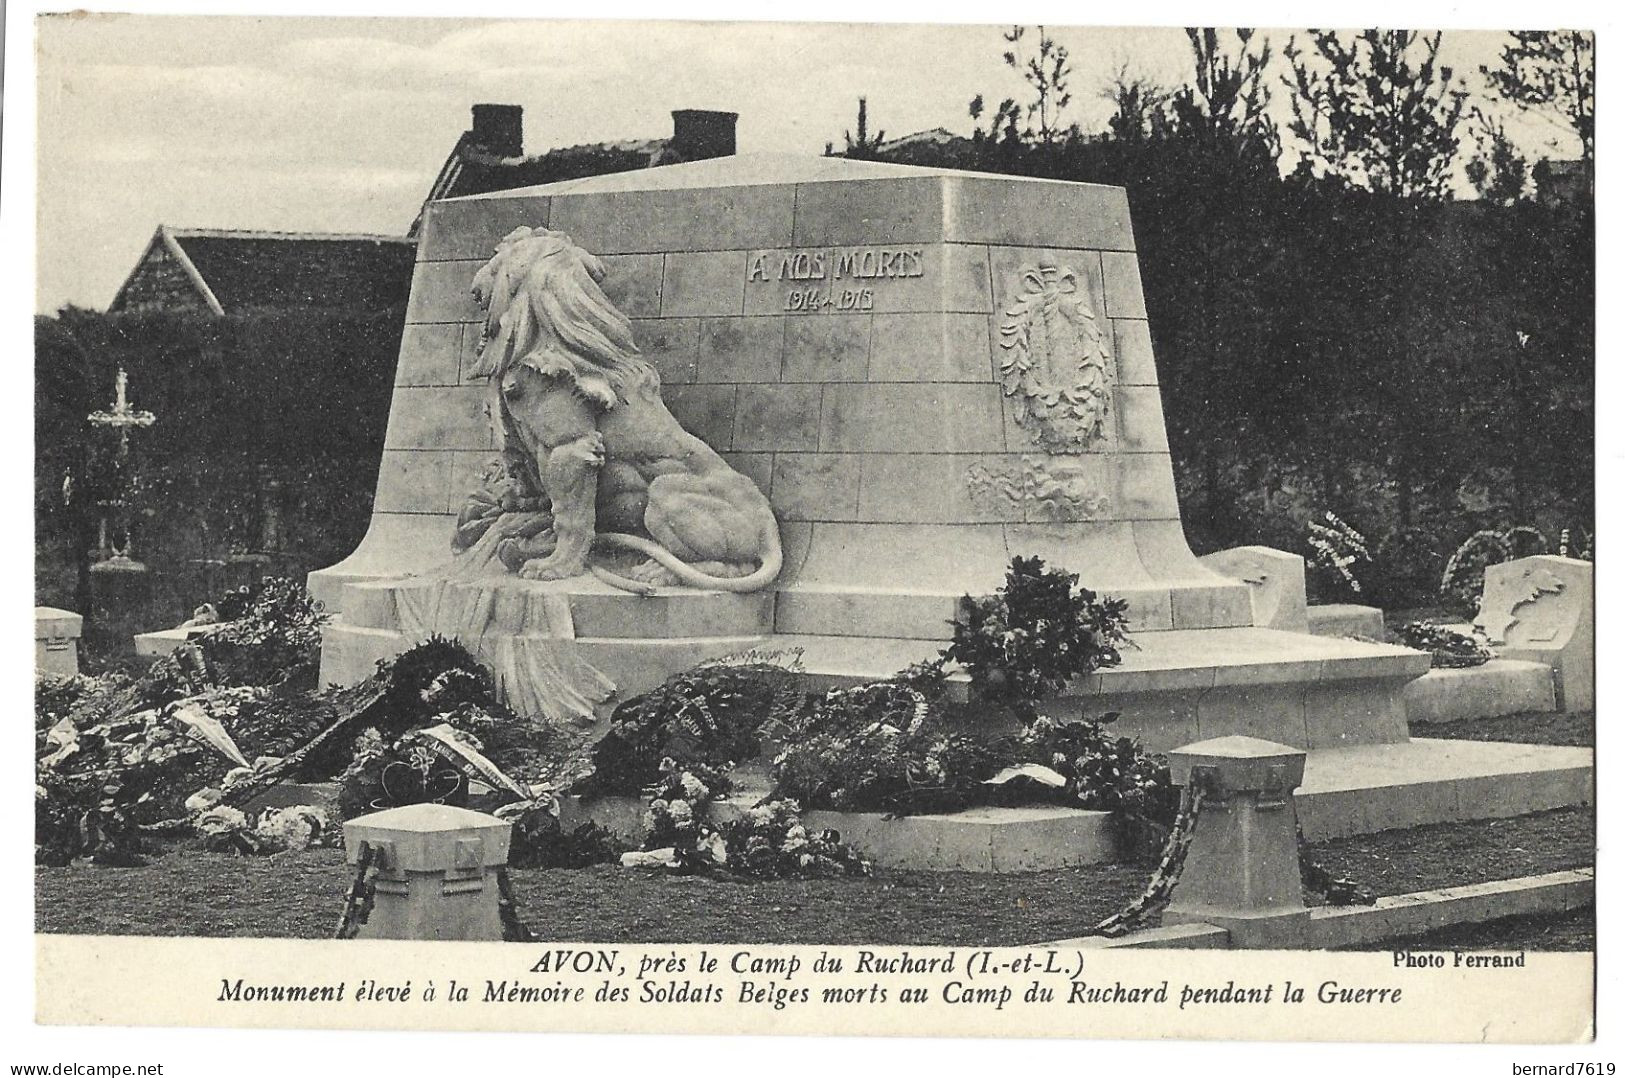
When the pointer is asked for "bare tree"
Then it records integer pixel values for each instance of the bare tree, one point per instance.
(1553, 69)
(1047, 72)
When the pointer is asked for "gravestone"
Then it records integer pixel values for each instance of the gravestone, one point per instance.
(924, 371)
(1541, 609)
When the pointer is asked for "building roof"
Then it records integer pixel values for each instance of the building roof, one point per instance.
(936, 136)
(470, 169)
(751, 169)
(231, 270)
(488, 157)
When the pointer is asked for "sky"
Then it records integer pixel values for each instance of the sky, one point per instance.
(340, 125)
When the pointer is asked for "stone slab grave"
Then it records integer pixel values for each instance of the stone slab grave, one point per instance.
(924, 372)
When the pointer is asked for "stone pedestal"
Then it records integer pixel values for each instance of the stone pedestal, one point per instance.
(436, 872)
(1541, 609)
(1241, 871)
(56, 640)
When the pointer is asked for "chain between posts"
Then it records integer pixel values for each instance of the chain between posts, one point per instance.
(514, 929)
(1159, 889)
(1152, 900)
(358, 901)
(1317, 878)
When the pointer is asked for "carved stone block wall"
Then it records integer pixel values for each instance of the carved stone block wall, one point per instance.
(845, 334)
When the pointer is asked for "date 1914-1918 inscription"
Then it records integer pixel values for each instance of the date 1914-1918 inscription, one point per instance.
(834, 280)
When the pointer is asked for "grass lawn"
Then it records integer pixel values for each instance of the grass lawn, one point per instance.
(1575, 930)
(188, 891)
(1448, 855)
(1530, 727)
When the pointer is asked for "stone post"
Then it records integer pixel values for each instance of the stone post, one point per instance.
(437, 872)
(56, 640)
(1241, 871)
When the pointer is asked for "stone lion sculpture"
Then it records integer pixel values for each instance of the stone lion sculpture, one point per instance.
(591, 454)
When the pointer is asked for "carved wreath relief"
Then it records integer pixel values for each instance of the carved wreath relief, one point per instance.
(1048, 489)
(1055, 364)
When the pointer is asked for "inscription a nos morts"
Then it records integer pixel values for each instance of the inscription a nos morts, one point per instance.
(833, 279)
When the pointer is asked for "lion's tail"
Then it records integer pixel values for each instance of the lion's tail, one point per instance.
(765, 574)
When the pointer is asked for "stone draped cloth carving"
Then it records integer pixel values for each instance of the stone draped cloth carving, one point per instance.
(525, 635)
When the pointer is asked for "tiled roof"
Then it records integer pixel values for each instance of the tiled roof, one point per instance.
(471, 170)
(228, 270)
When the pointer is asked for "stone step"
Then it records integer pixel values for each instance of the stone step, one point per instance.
(1172, 688)
(1349, 791)
(1498, 687)
(1174, 660)
(1346, 619)
(1177, 687)
(1364, 788)
(161, 642)
(350, 653)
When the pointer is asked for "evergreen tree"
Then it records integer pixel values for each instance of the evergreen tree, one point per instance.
(1554, 69)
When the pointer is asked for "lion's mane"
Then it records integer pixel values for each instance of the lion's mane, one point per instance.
(546, 309)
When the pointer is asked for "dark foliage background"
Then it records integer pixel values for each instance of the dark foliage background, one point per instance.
(264, 457)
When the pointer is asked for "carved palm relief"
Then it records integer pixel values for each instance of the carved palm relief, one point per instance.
(1055, 365)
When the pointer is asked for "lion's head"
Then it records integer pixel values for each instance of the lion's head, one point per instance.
(541, 296)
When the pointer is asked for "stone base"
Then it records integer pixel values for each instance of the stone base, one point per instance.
(1390, 918)
(1029, 838)
(351, 653)
(1346, 619)
(1250, 930)
(1172, 688)
(1499, 687)
(1345, 792)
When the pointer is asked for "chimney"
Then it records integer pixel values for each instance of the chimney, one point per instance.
(697, 134)
(499, 129)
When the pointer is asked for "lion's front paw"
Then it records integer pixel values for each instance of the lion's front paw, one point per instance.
(551, 569)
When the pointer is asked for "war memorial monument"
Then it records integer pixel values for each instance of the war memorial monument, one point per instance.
(646, 419)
